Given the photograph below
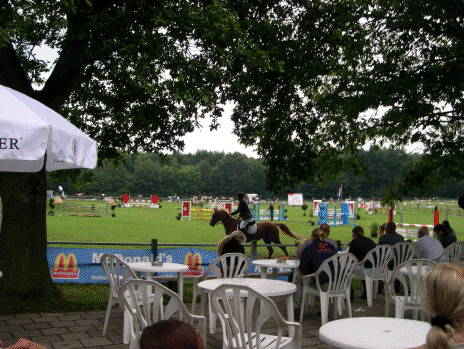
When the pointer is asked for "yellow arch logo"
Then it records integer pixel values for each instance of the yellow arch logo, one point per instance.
(194, 263)
(65, 267)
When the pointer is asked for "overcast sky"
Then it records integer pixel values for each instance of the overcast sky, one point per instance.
(222, 139)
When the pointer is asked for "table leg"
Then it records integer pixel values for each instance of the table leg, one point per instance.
(263, 272)
(180, 285)
(274, 273)
(290, 313)
(203, 303)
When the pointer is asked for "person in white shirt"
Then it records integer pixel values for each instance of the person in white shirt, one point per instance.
(427, 247)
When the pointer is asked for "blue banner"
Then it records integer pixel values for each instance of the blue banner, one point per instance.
(82, 265)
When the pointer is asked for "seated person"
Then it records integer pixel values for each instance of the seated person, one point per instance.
(390, 237)
(170, 334)
(443, 235)
(443, 299)
(311, 259)
(360, 246)
(325, 229)
(232, 243)
(427, 247)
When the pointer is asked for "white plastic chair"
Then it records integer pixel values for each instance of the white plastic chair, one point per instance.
(229, 265)
(338, 271)
(378, 258)
(117, 272)
(452, 253)
(245, 313)
(402, 252)
(154, 302)
(409, 275)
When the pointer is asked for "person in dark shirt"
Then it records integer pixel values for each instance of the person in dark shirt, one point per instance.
(360, 246)
(232, 243)
(390, 237)
(311, 259)
(443, 235)
(243, 211)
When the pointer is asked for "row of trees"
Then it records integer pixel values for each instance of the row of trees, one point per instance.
(312, 83)
(217, 174)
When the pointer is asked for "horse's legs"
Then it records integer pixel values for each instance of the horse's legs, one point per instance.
(283, 248)
(271, 251)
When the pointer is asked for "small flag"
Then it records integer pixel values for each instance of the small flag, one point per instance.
(340, 192)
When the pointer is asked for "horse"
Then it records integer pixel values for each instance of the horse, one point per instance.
(268, 231)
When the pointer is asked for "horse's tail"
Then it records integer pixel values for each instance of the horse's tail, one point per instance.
(287, 231)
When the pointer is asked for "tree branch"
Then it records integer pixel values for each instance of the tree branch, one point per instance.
(12, 73)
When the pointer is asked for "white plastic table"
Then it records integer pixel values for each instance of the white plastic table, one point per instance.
(374, 332)
(267, 287)
(265, 264)
(150, 270)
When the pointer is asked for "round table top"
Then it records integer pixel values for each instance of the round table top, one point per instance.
(267, 287)
(147, 267)
(374, 332)
(272, 263)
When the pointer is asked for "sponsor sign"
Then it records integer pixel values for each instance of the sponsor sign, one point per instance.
(82, 265)
(295, 199)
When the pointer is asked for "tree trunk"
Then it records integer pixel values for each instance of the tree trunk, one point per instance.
(23, 235)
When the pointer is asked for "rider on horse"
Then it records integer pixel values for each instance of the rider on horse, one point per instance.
(244, 213)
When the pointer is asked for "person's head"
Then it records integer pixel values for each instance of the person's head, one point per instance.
(443, 298)
(317, 234)
(170, 334)
(357, 231)
(240, 195)
(447, 225)
(423, 231)
(439, 229)
(325, 229)
(239, 236)
(390, 228)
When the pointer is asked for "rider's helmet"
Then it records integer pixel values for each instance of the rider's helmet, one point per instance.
(240, 195)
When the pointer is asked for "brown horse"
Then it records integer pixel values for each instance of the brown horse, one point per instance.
(267, 231)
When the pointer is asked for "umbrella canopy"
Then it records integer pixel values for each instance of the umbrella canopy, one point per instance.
(29, 130)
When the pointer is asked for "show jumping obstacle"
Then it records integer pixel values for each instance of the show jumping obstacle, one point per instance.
(410, 230)
(265, 214)
(203, 213)
(347, 212)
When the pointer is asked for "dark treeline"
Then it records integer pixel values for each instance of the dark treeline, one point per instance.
(218, 174)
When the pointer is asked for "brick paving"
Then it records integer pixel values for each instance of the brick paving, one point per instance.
(84, 329)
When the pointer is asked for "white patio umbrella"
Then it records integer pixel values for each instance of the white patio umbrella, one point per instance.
(29, 130)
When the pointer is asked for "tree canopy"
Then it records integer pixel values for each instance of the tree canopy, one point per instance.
(312, 83)
(343, 74)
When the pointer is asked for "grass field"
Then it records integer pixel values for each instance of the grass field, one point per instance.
(141, 224)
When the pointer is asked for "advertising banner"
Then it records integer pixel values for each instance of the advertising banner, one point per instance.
(295, 199)
(82, 265)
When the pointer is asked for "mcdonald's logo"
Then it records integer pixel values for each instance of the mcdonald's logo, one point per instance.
(65, 267)
(194, 263)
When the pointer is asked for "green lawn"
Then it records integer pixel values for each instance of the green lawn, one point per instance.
(140, 225)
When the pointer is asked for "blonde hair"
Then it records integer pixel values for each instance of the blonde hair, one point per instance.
(443, 295)
(318, 234)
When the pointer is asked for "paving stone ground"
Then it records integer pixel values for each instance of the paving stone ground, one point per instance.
(84, 329)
